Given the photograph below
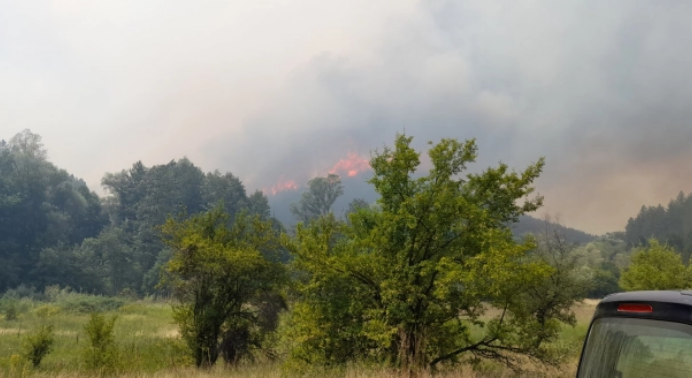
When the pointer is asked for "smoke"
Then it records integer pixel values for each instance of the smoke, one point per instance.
(278, 92)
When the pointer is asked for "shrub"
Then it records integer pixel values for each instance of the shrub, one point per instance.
(23, 291)
(46, 311)
(38, 344)
(90, 304)
(82, 303)
(10, 310)
(102, 352)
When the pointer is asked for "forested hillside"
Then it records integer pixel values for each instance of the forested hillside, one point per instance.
(671, 224)
(530, 225)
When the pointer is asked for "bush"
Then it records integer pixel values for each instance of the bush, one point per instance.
(46, 311)
(82, 303)
(10, 310)
(91, 304)
(102, 352)
(23, 291)
(38, 344)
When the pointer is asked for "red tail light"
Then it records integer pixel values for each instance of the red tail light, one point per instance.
(638, 308)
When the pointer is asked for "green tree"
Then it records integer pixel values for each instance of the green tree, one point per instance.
(221, 276)
(549, 302)
(355, 205)
(318, 199)
(41, 206)
(142, 198)
(656, 267)
(409, 280)
(606, 280)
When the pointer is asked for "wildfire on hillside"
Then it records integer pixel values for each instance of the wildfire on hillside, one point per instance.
(352, 165)
(283, 185)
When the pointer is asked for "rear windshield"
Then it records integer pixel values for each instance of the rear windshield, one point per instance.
(637, 348)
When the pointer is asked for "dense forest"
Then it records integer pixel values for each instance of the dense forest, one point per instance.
(55, 231)
(367, 283)
(671, 224)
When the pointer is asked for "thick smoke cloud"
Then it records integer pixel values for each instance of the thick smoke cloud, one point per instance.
(281, 90)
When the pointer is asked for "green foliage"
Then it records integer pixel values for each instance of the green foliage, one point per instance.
(10, 309)
(670, 225)
(408, 282)
(656, 267)
(220, 275)
(47, 311)
(550, 300)
(42, 207)
(68, 300)
(55, 231)
(605, 280)
(102, 352)
(38, 344)
(92, 303)
(318, 199)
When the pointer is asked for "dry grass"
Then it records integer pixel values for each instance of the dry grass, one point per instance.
(276, 372)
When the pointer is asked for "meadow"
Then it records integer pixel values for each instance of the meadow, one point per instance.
(148, 344)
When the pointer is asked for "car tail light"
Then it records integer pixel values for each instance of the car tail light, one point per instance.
(637, 308)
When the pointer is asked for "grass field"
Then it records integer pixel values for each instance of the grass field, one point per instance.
(148, 345)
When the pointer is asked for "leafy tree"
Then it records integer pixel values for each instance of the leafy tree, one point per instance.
(550, 301)
(220, 277)
(357, 204)
(41, 207)
(55, 231)
(318, 199)
(606, 279)
(225, 188)
(142, 198)
(656, 267)
(257, 203)
(406, 281)
(75, 267)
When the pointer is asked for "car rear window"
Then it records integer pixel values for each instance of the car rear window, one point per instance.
(637, 348)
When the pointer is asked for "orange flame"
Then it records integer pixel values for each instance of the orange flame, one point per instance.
(283, 185)
(353, 164)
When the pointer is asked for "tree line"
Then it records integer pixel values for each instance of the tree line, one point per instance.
(55, 231)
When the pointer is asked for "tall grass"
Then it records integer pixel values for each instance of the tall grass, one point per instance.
(149, 346)
(276, 372)
(146, 339)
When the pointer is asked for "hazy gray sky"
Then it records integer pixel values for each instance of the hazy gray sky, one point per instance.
(281, 90)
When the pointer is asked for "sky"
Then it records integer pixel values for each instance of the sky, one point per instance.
(280, 91)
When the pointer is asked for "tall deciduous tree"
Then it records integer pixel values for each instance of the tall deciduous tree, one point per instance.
(318, 199)
(407, 280)
(222, 281)
(41, 207)
(549, 302)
